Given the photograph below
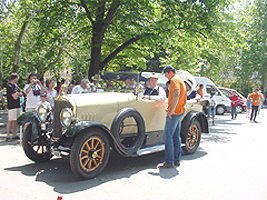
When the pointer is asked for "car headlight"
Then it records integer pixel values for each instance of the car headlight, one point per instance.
(42, 113)
(66, 116)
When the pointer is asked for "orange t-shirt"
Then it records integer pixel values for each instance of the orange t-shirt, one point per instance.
(200, 92)
(255, 98)
(177, 84)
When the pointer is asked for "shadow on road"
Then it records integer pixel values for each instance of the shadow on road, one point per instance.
(57, 172)
(221, 131)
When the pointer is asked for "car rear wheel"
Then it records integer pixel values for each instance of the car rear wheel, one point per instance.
(38, 150)
(89, 153)
(193, 138)
(220, 110)
(239, 109)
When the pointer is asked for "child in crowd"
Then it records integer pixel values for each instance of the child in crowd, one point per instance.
(248, 106)
(44, 102)
(212, 109)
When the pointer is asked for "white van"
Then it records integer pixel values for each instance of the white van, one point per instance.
(223, 103)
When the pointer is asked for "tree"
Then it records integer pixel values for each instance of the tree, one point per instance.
(253, 23)
(119, 24)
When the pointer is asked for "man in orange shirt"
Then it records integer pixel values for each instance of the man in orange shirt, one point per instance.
(175, 111)
(200, 90)
(255, 98)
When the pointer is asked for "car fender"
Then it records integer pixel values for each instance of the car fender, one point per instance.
(189, 118)
(26, 117)
(77, 128)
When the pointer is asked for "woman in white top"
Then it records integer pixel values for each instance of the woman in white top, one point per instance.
(51, 92)
(33, 90)
(212, 108)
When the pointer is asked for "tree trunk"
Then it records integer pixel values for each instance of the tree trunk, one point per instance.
(1, 65)
(97, 38)
(16, 62)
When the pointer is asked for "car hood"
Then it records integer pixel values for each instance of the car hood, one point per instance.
(85, 99)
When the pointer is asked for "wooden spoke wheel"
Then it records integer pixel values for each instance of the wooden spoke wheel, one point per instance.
(193, 138)
(89, 153)
(193, 134)
(92, 154)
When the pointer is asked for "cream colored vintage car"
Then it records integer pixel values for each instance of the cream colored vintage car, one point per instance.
(89, 125)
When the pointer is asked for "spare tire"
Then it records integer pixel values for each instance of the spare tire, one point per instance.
(128, 127)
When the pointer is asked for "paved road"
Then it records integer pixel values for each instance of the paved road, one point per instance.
(231, 163)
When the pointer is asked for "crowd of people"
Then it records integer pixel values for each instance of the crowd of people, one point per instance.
(177, 92)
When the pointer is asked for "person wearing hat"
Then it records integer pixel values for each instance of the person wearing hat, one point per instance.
(32, 91)
(82, 88)
(175, 111)
(153, 91)
(130, 82)
(95, 88)
(191, 94)
(44, 101)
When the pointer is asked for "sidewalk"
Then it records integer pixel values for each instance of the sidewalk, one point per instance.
(3, 122)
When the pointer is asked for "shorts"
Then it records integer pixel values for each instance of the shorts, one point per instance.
(30, 109)
(13, 114)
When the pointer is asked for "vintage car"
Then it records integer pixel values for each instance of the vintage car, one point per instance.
(88, 126)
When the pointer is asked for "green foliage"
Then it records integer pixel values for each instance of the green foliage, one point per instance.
(198, 36)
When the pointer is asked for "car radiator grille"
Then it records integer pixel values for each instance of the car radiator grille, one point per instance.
(59, 105)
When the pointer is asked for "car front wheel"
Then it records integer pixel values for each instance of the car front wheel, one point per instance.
(193, 138)
(38, 150)
(89, 153)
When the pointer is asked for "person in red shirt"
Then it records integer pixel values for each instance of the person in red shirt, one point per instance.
(233, 99)
(255, 100)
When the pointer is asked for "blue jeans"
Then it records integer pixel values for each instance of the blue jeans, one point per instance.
(233, 111)
(172, 139)
(211, 110)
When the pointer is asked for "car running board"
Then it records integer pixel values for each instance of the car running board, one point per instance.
(152, 149)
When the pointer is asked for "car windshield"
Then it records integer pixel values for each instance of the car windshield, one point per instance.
(119, 81)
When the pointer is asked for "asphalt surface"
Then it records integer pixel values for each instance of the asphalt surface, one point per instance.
(230, 163)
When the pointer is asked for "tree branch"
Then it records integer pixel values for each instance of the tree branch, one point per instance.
(111, 13)
(201, 34)
(18, 44)
(119, 49)
(87, 11)
(55, 61)
(67, 53)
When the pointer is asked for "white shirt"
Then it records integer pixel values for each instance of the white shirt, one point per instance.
(50, 96)
(93, 89)
(213, 101)
(46, 103)
(32, 100)
(161, 96)
(78, 90)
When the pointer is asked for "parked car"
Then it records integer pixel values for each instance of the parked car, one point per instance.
(241, 102)
(88, 126)
(223, 103)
